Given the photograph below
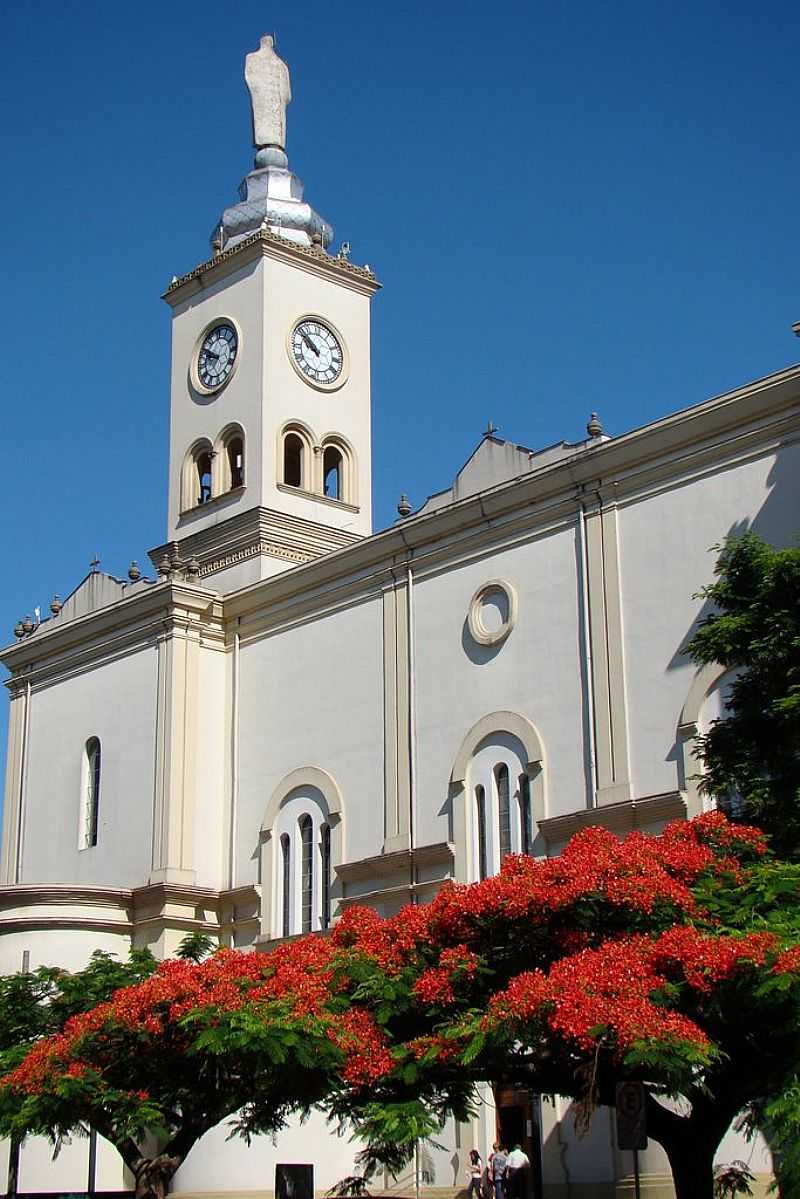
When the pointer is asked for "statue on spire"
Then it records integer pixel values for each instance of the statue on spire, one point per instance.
(267, 79)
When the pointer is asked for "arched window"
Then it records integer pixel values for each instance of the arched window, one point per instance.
(302, 842)
(503, 809)
(204, 478)
(525, 815)
(480, 817)
(235, 451)
(286, 885)
(91, 801)
(197, 478)
(325, 881)
(306, 827)
(332, 472)
(293, 454)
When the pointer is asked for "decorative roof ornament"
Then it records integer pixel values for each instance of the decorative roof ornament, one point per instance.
(490, 430)
(19, 630)
(594, 428)
(403, 506)
(134, 574)
(271, 196)
(56, 605)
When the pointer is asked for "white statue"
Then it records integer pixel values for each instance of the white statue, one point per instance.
(267, 78)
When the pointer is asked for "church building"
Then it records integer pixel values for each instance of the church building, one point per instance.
(295, 713)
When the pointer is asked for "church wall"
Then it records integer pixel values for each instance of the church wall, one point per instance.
(536, 671)
(115, 701)
(212, 812)
(660, 574)
(312, 695)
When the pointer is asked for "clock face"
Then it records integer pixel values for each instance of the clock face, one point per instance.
(317, 352)
(216, 356)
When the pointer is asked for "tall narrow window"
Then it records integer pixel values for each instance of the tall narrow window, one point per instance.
(332, 472)
(293, 460)
(92, 809)
(306, 872)
(286, 885)
(480, 813)
(525, 814)
(235, 450)
(325, 855)
(204, 477)
(503, 809)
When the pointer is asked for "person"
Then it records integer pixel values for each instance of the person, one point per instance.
(517, 1167)
(475, 1170)
(497, 1169)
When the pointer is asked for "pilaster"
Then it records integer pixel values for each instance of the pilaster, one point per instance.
(15, 765)
(179, 649)
(396, 725)
(608, 663)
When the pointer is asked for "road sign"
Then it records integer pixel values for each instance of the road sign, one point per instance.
(631, 1116)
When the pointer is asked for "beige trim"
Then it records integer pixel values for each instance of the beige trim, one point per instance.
(396, 726)
(303, 776)
(689, 761)
(265, 244)
(12, 827)
(617, 818)
(608, 666)
(477, 629)
(462, 813)
(497, 722)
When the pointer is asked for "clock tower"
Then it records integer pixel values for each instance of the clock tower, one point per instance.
(270, 385)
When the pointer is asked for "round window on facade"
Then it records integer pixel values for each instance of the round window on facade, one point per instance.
(492, 612)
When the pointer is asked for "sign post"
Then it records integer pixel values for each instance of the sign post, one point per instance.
(632, 1123)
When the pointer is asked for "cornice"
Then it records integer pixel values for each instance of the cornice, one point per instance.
(746, 422)
(617, 818)
(167, 608)
(384, 864)
(265, 244)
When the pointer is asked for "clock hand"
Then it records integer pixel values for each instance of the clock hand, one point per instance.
(309, 342)
(210, 354)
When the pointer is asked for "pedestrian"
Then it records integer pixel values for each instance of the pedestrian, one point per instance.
(497, 1169)
(517, 1167)
(475, 1171)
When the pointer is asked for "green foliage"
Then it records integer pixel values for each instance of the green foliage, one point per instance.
(195, 947)
(752, 754)
(732, 1179)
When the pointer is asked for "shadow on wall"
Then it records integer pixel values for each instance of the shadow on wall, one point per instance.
(777, 521)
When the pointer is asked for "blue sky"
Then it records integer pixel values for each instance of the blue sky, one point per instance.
(572, 207)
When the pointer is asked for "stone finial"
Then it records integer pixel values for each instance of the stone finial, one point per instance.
(134, 574)
(19, 630)
(56, 605)
(163, 566)
(404, 506)
(27, 625)
(594, 428)
(193, 570)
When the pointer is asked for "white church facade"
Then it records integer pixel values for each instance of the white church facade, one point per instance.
(296, 713)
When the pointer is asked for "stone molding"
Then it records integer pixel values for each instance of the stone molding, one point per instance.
(690, 762)
(478, 631)
(617, 818)
(265, 244)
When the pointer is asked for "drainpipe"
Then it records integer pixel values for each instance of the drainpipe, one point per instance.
(234, 762)
(586, 647)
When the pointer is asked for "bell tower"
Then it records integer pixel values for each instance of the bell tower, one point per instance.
(270, 384)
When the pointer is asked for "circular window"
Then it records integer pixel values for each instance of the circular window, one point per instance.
(492, 612)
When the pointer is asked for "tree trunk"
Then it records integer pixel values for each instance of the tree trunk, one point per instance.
(692, 1166)
(154, 1174)
(690, 1143)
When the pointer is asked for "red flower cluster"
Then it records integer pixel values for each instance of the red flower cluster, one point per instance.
(705, 960)
(367, 1056)
(436, 984)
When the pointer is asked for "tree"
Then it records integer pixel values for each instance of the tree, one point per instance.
(672, 960)
(752, 754)
(255, 1036)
